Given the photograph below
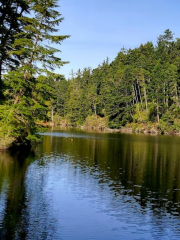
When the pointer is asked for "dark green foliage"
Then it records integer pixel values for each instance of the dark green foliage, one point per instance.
(30, 89)
(61, 88)
(10, 25)
(141, 85)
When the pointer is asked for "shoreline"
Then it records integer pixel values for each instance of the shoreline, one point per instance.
(138, 128)
(129, 128)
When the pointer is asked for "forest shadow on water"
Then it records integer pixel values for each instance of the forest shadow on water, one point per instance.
(13, 167)
(147, 167)
(111, 185)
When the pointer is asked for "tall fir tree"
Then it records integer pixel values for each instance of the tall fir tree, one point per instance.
(30, 81)
(10, 25)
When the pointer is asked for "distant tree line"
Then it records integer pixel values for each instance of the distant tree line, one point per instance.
(140, 85)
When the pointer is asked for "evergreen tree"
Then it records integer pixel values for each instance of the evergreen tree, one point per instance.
(141, 85)
(38, 60)
(11, 24)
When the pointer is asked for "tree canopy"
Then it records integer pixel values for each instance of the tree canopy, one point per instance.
(140, 85)
(29, 84)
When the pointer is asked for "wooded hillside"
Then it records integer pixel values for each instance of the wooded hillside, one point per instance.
(141, 85)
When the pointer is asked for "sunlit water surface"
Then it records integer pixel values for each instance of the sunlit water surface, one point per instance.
(81, 185)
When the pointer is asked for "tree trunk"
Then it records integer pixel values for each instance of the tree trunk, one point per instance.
(157, 110)
(145, 97)
(137, 102)
(165, 95)
(167, 101)
(134, 94)
(52, 116)
(177, 100)
(139, 94)
(95, 111)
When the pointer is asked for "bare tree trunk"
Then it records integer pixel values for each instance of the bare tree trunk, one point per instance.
(134, 94)
(137, 102)
(139, 94)
(145, 96)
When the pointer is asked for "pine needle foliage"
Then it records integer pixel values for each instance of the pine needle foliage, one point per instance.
(10, 25)
(30, 86)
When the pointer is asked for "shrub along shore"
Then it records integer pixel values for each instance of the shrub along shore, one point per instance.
(98, 123)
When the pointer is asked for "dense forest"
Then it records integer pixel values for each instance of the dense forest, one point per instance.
(140, 86)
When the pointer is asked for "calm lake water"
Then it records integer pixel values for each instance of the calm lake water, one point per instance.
(80, 185)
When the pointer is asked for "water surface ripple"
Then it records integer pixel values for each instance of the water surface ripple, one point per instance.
(81, 185)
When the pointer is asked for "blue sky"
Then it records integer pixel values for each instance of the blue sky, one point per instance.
(100, 28)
